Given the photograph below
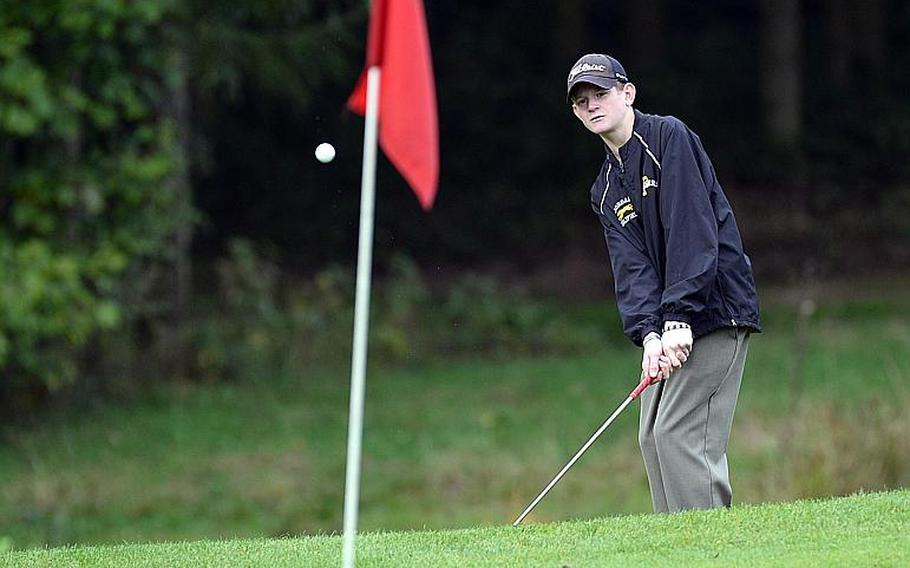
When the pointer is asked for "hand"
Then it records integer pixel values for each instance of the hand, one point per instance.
(676, 343)
(652, 353)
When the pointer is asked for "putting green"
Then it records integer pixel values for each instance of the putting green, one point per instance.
(860, 530)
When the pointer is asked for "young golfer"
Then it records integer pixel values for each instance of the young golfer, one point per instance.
(684, 286)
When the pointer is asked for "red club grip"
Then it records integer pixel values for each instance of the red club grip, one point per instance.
(646, 381)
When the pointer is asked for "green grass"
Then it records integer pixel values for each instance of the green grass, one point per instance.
(861, 530)
(453, 444)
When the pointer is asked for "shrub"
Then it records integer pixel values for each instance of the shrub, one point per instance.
(247, 332)
(262, 325)
(85, 157)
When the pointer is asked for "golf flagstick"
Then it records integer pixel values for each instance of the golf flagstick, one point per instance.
(361, 320)
(645, 382)
(398, 52)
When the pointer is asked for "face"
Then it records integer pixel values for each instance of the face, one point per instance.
(602, 110)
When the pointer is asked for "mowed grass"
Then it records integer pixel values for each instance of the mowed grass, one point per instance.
(861, 530)
(455, 443)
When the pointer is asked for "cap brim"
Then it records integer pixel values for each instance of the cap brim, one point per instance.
(602, 82)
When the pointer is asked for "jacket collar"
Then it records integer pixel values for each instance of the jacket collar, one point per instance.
(640, 125)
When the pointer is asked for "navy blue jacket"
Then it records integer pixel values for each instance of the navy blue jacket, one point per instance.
(674, 246)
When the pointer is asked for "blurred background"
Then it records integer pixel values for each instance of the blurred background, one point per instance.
(176, 268)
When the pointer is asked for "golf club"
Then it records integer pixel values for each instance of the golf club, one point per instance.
(645, 382)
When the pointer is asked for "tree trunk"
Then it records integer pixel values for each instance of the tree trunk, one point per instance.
(178, 112)
(781, 77)
(871, 43)
(856, 40)
(73, 149)
(840, 42)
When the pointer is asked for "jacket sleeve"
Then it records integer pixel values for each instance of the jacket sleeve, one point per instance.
(637, 285)
(690, 226)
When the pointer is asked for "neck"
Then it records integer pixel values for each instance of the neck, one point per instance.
(615, 138)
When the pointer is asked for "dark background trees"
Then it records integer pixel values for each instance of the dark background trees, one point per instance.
(799, 103)
(138, 139)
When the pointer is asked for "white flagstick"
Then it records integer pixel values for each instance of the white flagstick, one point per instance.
(361, 318)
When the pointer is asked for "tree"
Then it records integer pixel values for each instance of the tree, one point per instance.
(100, 103)
(781, 74)
(84, 157)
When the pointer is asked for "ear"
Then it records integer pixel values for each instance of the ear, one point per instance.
(629, 93)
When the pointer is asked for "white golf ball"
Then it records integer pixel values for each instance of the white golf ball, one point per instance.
(325, 152)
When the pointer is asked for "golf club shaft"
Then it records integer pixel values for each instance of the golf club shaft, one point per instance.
(583, 449)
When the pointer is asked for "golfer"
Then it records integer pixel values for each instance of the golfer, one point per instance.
(684, 286)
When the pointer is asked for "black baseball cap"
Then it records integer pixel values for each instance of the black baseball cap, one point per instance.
(596, 69)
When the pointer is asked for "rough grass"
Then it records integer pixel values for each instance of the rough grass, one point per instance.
(867, 530)
(453, 444)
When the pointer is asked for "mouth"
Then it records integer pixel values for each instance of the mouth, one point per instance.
(596, 118)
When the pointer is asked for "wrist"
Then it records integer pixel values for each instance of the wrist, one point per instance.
(674, 325)
(649, 337)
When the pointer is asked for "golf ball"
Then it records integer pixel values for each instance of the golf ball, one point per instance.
(325, 152)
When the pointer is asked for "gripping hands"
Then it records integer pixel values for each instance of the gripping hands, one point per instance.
(663, 354)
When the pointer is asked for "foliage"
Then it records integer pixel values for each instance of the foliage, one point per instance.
(266, 49)
(246, 334)
(93, 152)
(264, 325)
(84, 157)
(473, 315)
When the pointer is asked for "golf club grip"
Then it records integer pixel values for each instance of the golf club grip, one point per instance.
(646, 381)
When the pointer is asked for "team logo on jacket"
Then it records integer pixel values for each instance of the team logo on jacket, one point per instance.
(647, 182)
(624, 211)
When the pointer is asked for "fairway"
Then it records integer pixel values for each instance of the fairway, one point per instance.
(867, 530)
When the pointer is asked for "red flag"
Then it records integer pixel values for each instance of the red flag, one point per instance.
(408, 127)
